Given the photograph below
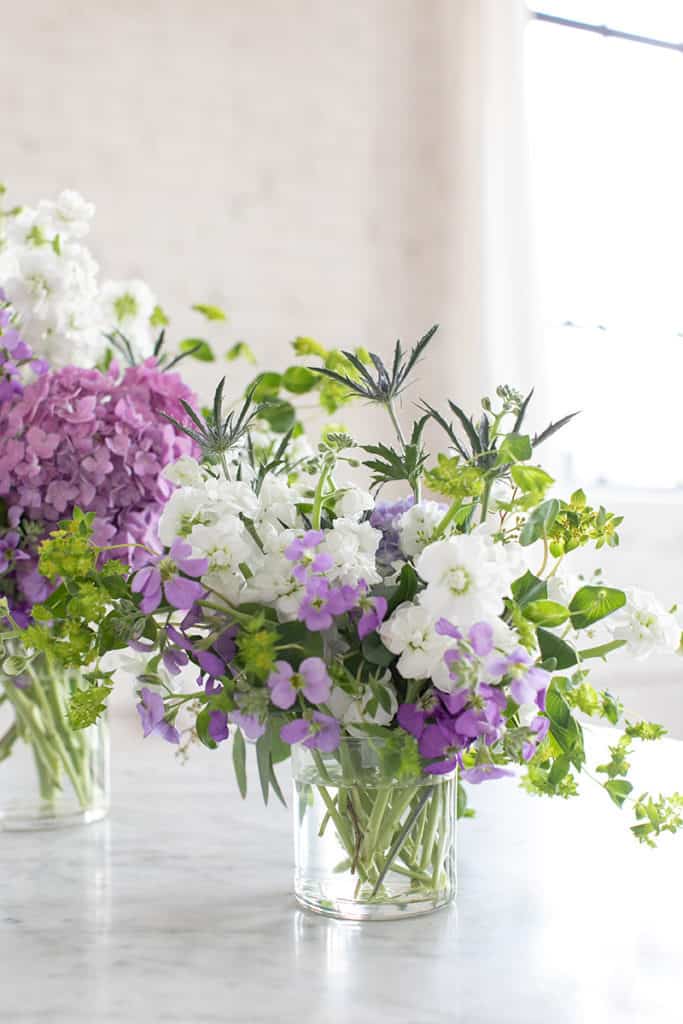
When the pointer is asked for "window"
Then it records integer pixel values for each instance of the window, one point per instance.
(606, 131)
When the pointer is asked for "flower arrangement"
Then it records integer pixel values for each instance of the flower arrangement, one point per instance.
(79, 432)
(387, 642)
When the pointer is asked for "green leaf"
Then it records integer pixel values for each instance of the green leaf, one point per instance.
(564, 728)
(560, 768)
(299, 380)
(553, 647)
(602, 651)
(210, 312)
(86, 706)
(546, 613)
(198, 349)
(619, 790)
(279, 415)
(202, 726)
(529, 588)
(240, 350)
(239, 761)
(514, 448)
(539, 522)
(275, 785)
(266, 385)
(375, 652)
(263, 762)
(531, 479)
(406, 589)
(590, 604)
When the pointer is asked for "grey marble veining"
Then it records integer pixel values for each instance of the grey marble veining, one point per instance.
(179, 909)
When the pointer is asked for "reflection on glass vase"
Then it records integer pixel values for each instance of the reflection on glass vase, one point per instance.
(369, 845)
(50, 775)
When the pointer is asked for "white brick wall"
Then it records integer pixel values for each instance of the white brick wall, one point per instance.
(309, 164)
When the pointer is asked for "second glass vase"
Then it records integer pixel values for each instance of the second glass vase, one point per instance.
(50, 775)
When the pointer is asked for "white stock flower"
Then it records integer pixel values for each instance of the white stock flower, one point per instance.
(410, 632)
(273, 584)
(185, 472)
(353, 547)
(50, 279)
(417, 525)
(277, 503)
(354, 502)
(467, 578)
(561, 588)
(645, 625)
(186, 508)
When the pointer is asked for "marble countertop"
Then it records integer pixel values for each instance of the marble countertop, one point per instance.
(179, 909)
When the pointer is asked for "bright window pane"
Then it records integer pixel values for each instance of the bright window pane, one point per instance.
(607, 176)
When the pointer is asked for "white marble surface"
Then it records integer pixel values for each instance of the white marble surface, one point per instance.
(179, 909)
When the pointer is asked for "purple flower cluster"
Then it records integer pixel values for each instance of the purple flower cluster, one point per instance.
(322, 600)
(213, 662)
(94, 440)
(152, 716)
(15, 356)
(312, 680)
(448, 723)
(169, 574)
(385, 517)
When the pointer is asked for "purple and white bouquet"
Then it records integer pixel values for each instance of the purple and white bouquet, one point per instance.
(387, 642)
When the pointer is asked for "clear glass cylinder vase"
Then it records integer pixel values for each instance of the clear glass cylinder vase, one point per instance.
(50, 775)
(369, 842)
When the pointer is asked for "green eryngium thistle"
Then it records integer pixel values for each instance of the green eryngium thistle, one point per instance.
(214, 434)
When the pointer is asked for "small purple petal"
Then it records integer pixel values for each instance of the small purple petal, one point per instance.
(218, 726)
(480, 637)
(296, 731)
(182, 593)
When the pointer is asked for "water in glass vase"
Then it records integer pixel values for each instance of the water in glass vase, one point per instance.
(50, 775)
(369, 846)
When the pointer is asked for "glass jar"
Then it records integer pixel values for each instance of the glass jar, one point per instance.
(370, 842)
(50, 775)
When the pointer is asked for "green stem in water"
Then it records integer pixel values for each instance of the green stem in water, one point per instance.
(54, 730)
(400, 839)
(430, 829)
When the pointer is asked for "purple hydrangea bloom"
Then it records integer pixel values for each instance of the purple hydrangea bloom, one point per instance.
(164, 574)
(151, 712)
(96, 440)
(322, 732)
(311, 679)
